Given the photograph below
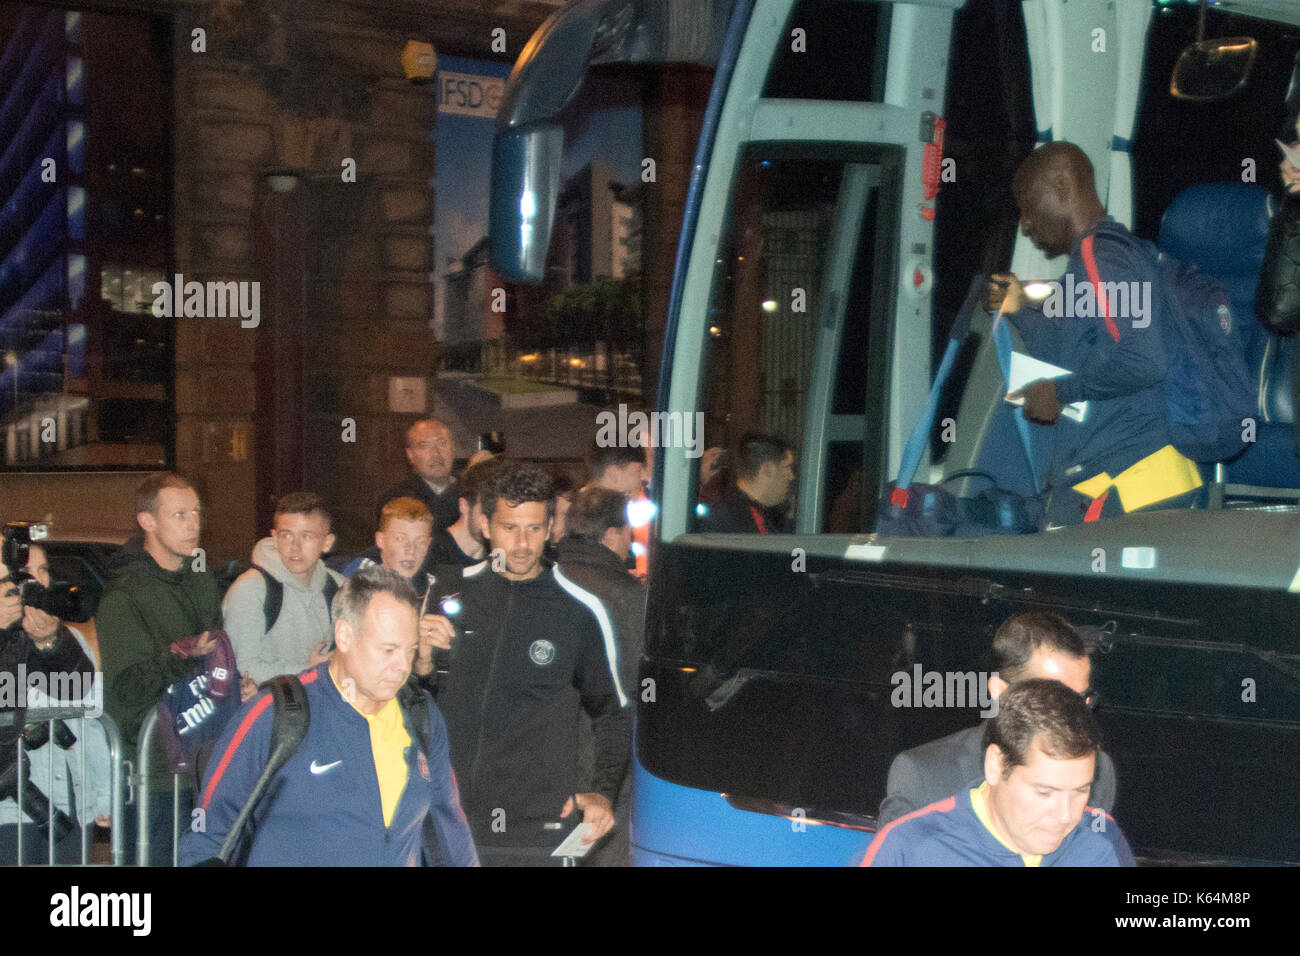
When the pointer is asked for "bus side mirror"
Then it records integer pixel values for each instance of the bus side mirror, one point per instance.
(525, 187)
(1210, 70)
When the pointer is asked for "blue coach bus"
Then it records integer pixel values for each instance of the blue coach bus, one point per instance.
(812, 286)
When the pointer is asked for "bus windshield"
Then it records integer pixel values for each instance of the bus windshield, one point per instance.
(832, 230)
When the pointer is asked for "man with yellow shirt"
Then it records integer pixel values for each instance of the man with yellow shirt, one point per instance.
(372, 784)
(1034, 644)
(1031, 807)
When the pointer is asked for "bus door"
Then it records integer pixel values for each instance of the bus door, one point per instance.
(801, 309)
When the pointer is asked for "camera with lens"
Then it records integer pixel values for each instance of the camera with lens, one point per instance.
(38, 735)
(15, 777)
(63, 601)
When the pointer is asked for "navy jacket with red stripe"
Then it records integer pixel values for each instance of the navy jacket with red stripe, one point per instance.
(325, 808)
(948, 833)
(1111, 342)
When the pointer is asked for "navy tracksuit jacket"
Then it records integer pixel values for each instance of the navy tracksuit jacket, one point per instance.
(1118, 363)
(948, 833)
(324, 808)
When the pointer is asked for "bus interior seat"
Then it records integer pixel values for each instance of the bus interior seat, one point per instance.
(1222, 228)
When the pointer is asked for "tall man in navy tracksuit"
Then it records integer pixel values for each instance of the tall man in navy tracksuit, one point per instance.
(372, 784)
(1030, 808)
(1103, 323)
(529, 650)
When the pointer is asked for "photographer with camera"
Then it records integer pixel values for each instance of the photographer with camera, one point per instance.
(41, 661)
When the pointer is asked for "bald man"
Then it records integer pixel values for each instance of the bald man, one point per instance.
(1101, 322)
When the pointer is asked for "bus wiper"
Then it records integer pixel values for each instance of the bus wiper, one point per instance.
(717, 689)
(728, 689)
(1274, 659)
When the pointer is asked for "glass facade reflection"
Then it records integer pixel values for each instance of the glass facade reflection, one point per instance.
(85, 180)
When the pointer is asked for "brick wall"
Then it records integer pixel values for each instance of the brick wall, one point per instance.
(241, 112)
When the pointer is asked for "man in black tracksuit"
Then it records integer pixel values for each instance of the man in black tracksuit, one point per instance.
(529, 649)
(593, 554)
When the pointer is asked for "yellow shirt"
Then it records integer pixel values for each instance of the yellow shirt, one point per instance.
(979, 802)
(1160, 475)
(388, 743)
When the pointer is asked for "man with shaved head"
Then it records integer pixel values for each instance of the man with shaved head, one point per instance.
(1102, 322)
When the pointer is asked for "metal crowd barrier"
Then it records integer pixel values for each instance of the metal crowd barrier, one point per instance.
(144, 798)
(71, 714)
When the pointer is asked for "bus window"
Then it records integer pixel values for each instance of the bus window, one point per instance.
(786, 350)
(832, 51)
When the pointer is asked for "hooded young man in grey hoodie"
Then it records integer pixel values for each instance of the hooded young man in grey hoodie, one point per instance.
(288, 561)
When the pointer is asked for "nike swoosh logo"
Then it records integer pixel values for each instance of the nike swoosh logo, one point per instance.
(317, 768)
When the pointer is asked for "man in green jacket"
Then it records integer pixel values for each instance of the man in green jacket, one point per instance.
(154, 597)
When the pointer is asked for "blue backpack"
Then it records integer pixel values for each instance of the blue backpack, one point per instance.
(1208, 389)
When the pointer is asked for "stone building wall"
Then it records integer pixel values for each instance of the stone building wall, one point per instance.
(299, 88)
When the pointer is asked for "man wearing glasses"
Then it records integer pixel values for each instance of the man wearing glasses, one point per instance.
(1026, 646)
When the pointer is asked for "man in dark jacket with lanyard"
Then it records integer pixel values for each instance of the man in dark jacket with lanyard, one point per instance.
(373, 770)
(1119, 458)
(431, 453)
(529, 649)
(1038, 644)
(1028, 806)
(593, 555)
(756, 499)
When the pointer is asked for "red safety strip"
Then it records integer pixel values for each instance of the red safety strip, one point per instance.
(946, 805)
(758, 520)
(932, 164)
(1094, 508)
(1094, 276)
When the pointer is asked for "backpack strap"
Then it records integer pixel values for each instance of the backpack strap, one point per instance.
(920, 437)
(331, 588)
(274, 597)
(290, 720)
(414, 699)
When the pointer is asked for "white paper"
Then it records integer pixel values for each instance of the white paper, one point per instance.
(573, 845)
(865, 552)
(1026, 369)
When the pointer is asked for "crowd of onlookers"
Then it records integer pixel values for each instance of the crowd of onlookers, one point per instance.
(469, 680)
(508, 546)
(470, 674)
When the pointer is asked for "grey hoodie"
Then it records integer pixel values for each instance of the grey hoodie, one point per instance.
(304, 620)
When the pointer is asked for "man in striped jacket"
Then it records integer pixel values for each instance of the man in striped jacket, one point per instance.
(1102, 323)
(1031, 806)
(529, 649)
(371, 785)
